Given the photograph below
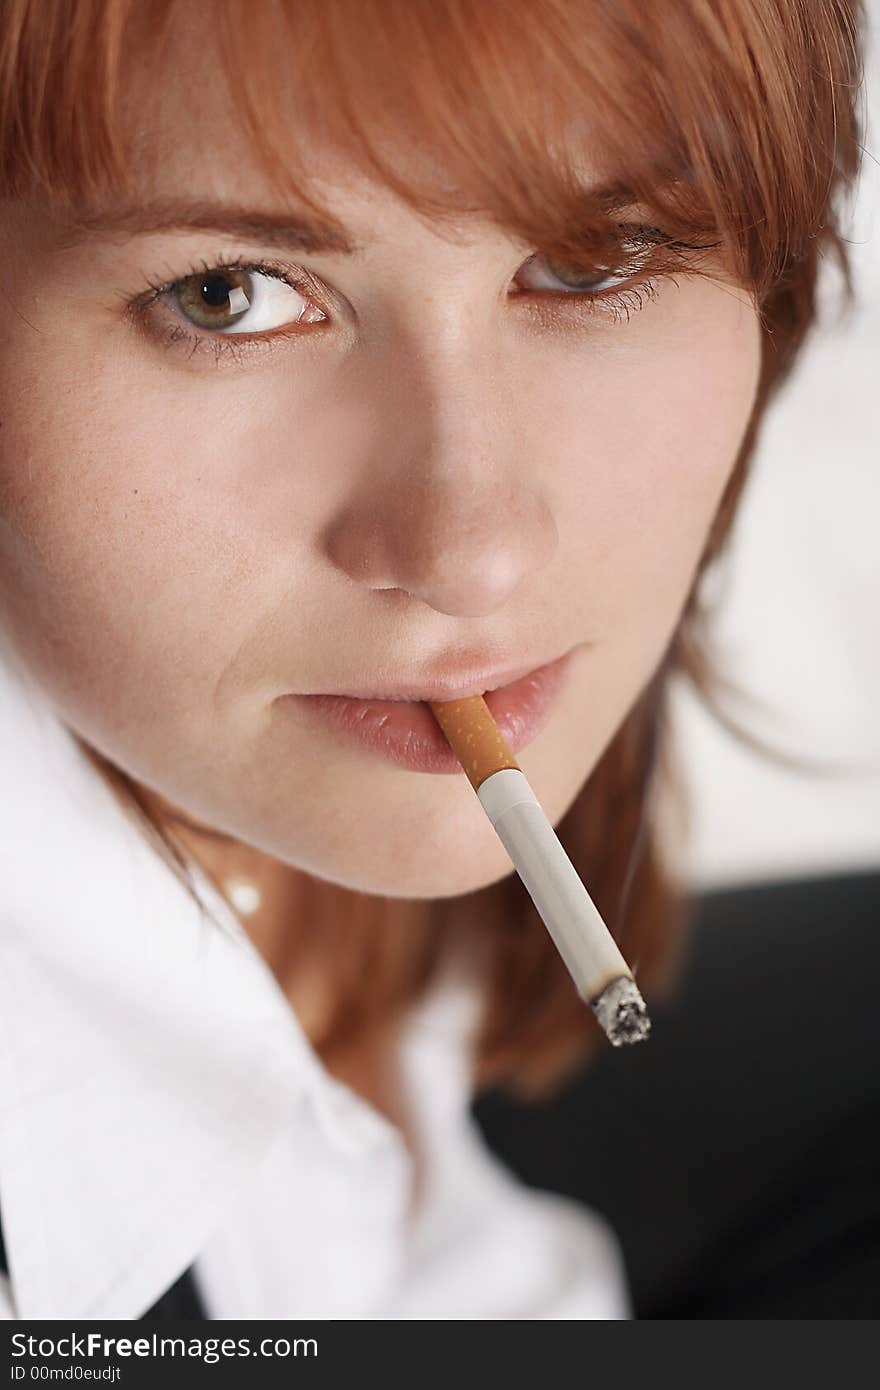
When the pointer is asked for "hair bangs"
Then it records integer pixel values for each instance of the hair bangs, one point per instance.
(499, 111)
(550, 120)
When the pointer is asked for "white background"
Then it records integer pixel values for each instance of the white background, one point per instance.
(800, 618)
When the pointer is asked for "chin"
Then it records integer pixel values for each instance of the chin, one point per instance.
(434, 878)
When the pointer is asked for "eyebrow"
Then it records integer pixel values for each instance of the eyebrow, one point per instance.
(300, 232)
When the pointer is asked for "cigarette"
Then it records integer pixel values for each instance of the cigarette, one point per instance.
(600, 974)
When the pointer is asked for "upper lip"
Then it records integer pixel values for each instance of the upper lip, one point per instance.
(447, 682)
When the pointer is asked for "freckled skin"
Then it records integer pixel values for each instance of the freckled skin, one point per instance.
(439, 468)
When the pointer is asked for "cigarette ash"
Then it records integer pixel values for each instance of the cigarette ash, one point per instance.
(622, 1013)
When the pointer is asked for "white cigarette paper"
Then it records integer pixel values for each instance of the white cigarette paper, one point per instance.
(600, 973)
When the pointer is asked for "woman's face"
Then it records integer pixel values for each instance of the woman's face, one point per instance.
(443, 456)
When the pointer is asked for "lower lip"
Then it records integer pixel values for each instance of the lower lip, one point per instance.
(406, 732)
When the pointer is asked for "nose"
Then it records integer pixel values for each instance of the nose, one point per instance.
(450, 506)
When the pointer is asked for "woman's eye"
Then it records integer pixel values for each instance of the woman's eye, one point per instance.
(232, 300)
(550, 275)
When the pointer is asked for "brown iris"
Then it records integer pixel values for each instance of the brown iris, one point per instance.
(216, 299)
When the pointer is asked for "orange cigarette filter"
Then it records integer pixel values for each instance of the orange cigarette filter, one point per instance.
(474, 737)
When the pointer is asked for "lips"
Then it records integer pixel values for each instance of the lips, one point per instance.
(406, 732)
(449, 685)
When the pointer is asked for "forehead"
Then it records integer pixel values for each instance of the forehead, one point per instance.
(199, 165)
(264, 132)
(187, 136)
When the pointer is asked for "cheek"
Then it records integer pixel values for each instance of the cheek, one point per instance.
(674, 408)
(157, 526)
(112, 560)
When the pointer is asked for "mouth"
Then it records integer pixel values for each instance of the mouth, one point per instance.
(447, 685)
(404, 730)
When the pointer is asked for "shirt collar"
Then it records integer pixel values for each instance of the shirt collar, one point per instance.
(148, 1059)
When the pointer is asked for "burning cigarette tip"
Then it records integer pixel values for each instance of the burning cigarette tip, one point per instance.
(622, 1012)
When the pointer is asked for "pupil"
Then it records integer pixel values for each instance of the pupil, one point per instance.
(215, 291)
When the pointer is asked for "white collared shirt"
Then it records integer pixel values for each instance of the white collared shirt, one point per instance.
(162, 1108)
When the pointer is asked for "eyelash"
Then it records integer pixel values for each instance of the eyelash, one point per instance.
(223, 345)
(620, 304)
